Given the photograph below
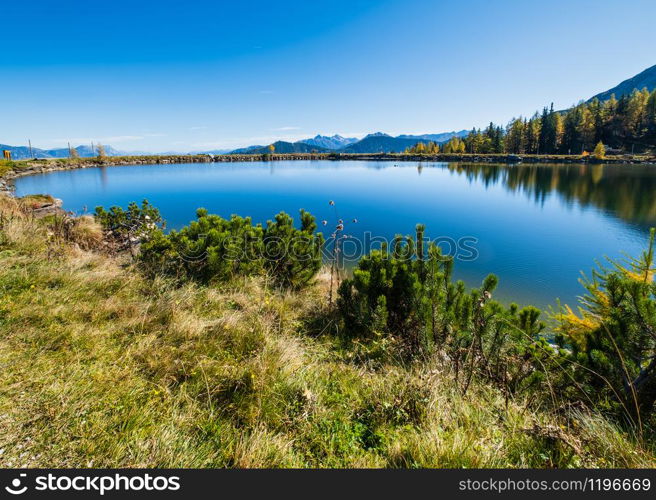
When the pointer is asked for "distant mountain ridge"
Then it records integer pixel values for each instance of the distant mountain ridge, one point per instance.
(646, 78)
(377, 142)
(283, 147)
(84, 151)
(380, 143)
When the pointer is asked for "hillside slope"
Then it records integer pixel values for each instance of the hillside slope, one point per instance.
(380, 143)
(282, 147)
(646, 78)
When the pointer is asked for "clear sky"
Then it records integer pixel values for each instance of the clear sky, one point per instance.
(195, 75)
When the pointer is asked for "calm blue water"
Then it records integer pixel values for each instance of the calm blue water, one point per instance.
(535, 226)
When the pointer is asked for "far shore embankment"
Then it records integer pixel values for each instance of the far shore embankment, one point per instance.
(10, 170)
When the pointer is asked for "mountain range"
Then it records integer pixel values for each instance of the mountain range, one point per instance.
(283, 147)
(377, 142)
(380, 143)
(372, 143)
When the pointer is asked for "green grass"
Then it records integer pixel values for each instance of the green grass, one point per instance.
(104, 368)
(6, 167)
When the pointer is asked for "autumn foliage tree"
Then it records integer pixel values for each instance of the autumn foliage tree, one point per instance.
(429, 148)
(454, 145)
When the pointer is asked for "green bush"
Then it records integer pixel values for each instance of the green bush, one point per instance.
(214, 249)
(131, 226)
(384, 295)
(141, 219)
(208, 249)
(408, 294)
(292, 256)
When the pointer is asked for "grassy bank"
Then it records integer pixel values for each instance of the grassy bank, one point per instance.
(103, 367)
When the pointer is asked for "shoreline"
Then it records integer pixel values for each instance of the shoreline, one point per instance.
(22, 168)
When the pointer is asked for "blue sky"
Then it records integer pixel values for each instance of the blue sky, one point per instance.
(198, 75)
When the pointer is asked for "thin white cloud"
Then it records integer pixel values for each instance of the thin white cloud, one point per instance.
(198, 127)
(285, 129)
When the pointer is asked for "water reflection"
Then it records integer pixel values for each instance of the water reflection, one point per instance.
(103, 177)
(629, 191)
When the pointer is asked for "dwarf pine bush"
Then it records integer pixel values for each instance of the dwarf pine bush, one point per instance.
(408, 294)
(213, 249)
(210, 248)
(128, 227)
(292, 256)
(611, 343)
